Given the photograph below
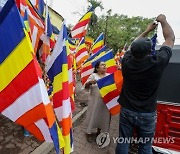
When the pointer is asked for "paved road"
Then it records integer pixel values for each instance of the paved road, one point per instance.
(81, 146)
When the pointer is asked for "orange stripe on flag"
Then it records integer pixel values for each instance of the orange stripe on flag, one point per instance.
(35, 114)
(66, 124)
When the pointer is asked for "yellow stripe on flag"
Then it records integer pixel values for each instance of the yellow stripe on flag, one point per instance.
(87, 16)
(60, 136)
(98, 44)
(19, 58)
(67, 148)
(60, 78)
(110, 63)
(105, 90)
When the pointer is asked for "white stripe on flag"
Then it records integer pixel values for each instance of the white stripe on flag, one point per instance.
(36, 20)
(88, 72)
(77, 31)
(25, 102)
(41, 124)
(81, 56)
(63, 111)
(57, 50)
(44, 94)
(112, 103)
(34, 36)
(70, 75)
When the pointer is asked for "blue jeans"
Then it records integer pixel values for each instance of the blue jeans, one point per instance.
(145, 125)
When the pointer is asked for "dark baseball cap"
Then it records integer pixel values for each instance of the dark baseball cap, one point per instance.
(141, 47)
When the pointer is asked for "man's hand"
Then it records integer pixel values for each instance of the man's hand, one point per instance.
(161, 18)
(151, 27)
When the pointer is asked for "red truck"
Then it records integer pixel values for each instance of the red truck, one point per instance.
(167, 135)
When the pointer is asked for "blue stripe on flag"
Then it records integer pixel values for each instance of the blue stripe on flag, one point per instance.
(11, 38)
(57, 65)
(54, 134)
(49, 27)
(96, 54)
(100, 38)
(104, 58)
(25, 18)
(71, 138)
(106, 81)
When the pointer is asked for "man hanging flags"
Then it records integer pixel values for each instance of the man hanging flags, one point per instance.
(57, 70)
(23, 96)
(79, 30)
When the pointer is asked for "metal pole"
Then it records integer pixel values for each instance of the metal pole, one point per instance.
(105, 33)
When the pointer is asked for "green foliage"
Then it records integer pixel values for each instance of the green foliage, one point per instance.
(118, 29)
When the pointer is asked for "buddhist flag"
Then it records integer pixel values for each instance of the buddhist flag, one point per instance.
(88, 68)
(23, 96)
(81, 53)
(26, 23)
(79, 30)
(96, 55)
(58, 72)
(98, 44)
(110, 88)
(36, 23)
(88, 41)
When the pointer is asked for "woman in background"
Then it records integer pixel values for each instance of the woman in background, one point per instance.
(97, 115)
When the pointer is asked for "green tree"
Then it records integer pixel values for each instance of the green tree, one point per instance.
(119, 29)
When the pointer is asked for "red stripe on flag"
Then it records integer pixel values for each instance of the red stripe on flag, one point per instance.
(80, 35)
(96, 49)
(111, 69)
(107, 98)
(86, 68)
(80, 52)
(84, 79)
(19, 85)
(81, 24)
(61, 95)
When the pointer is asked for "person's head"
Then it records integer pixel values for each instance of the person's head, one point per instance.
(141, 47)
(100, 67)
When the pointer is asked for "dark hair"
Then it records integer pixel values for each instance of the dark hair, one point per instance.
(96, 66)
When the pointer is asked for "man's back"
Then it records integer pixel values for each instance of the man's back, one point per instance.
(141, 80)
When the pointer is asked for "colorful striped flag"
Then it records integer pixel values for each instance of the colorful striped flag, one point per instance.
(26, 23)
(57, 70)
(88, 41)
(79, 30)
(96, 55)
(110, 88)
(108, 58)
(81, 53)
(36, 23)
(23, 96)
(47, 39)
(98, 44)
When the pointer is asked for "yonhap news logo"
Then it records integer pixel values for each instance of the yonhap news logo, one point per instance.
(159, 140)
